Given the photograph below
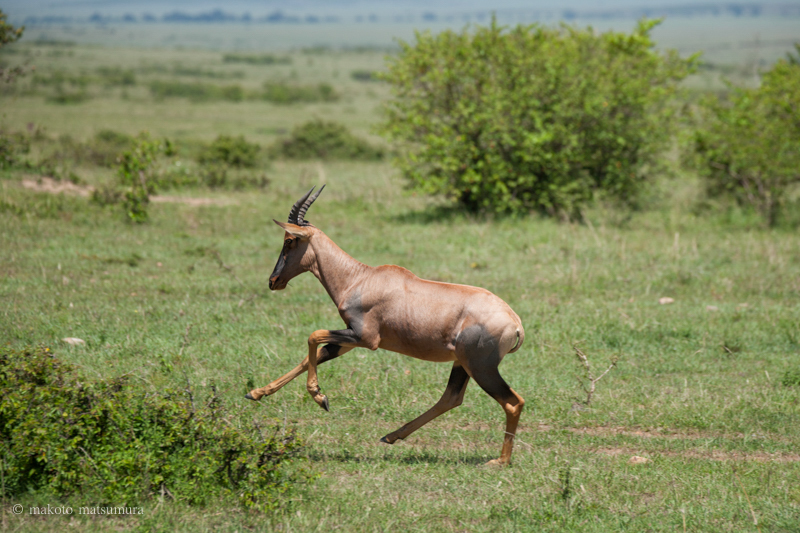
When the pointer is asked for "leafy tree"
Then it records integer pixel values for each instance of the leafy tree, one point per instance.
(532, 118)
(747, 146)
(9, 34)
(794, 59)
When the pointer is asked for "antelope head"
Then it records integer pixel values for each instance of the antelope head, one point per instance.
(297, 256)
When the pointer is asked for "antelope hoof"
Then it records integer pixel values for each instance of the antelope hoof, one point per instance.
(253, 395)
(496, 463)
(322, 401)
(391, 438)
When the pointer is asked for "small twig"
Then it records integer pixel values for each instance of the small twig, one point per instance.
(752, 512)
(185, 339)
(222, 264)
(592, 380)
(726, 349)
(247, 300)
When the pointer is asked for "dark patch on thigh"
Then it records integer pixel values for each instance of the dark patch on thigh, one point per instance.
(329, 351)
(479, 347)
(479, 352)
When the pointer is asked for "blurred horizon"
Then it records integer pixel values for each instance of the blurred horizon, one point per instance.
(725, 32)
(376, 11)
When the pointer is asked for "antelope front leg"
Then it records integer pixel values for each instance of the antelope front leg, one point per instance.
(312, 385)
(326, 353)
(346, 338)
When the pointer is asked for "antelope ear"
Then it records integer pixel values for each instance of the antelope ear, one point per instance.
(294, 230)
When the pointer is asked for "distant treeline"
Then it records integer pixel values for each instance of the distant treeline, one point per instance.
(279, 17)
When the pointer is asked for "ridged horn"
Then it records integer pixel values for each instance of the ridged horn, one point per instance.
(305, 206)
(297, 206)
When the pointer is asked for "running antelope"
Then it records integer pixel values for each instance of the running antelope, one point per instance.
(389, 307)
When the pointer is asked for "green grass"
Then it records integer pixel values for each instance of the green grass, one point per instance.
(697, 390)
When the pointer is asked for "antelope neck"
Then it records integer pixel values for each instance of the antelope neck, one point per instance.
(334, 268)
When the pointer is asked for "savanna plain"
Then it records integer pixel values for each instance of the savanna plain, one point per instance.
(696, 428)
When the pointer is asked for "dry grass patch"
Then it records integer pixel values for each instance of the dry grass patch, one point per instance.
(49, 185)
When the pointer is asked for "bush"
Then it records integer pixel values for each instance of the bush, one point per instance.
(9, 34)
(117, 76)
(281, 93)
(197, 92)
(263, 59)
(531, 118)
(103, 150)
(319, 139)
(746, 147)
(233, 151)
(107, 147)
(12, 147)
(110, 441)
(791, 378)
(64, 97)
(365, 75)
(136, 175)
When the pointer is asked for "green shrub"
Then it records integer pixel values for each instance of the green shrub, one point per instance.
(183, 70)
(106, 195)
(111, 441)
(219, 176)
(103, 150)
(747, 147)
(233, 151)
(261, 59)
(13, 146)
(176, 175)
(215, 176)
(532, 118)
(791, 378)
(136, 172)
(319, 139)
(117, 76)
(365, 75)
(196, 91)
(107, 147)
(66, 97)
(9, 34)
(282, 93)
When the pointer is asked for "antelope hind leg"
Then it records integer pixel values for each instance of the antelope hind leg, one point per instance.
(452, 397)
(479, 352)
(511, 402)
(328, 352)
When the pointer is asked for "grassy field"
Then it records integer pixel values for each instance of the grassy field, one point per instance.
(697, 390)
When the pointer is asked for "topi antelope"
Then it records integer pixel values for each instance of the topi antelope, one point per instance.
(389, 307)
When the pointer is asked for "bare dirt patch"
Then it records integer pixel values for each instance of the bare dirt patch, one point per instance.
(49, 185)
(664, 433)
(713, 455)
(195, 202)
